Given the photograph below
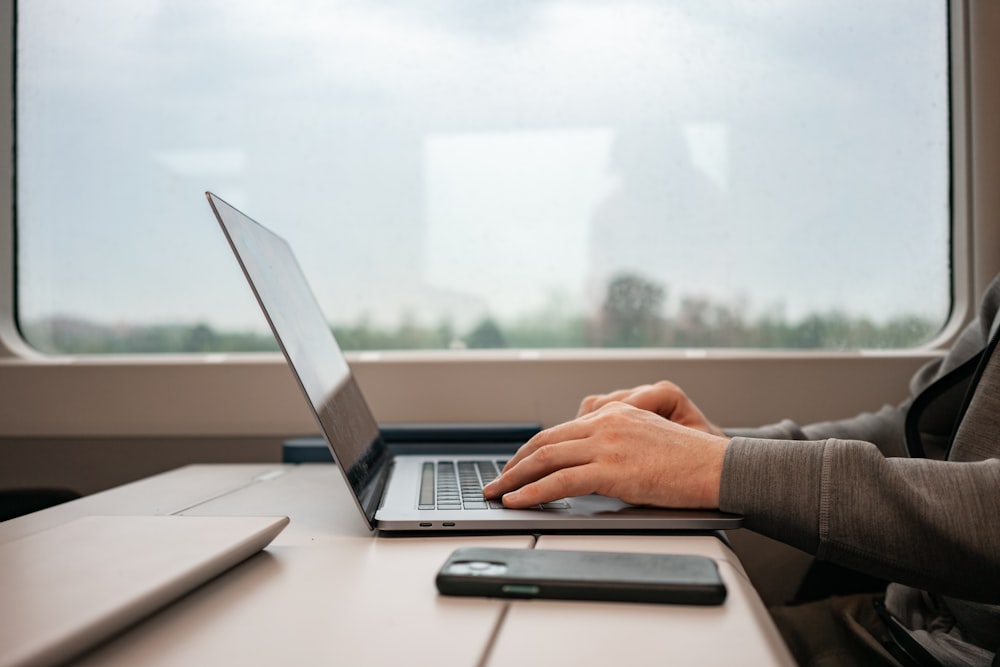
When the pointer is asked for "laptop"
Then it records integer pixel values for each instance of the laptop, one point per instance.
(70, 587)
(404, 492)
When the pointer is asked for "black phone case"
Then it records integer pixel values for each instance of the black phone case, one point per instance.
(582, 575)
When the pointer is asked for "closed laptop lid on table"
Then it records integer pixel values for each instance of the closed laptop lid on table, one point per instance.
(65, 589)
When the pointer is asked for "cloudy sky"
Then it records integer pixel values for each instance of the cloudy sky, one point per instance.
(451, 159)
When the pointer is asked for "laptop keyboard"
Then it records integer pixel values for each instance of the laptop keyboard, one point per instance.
(458, 485)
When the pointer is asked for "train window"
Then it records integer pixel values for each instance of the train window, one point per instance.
(522, 174)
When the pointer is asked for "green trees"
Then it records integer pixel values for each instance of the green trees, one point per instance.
(632, 314)
(635, 312)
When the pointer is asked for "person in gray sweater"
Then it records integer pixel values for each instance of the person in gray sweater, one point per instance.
(909, 493)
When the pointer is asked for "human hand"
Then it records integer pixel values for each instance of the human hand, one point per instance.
(617, 450)
(663, 398)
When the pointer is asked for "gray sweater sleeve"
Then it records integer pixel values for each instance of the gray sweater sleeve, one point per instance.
(883, 428)
(847, 503)
(847, 492)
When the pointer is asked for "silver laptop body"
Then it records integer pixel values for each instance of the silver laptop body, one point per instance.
(391, 490)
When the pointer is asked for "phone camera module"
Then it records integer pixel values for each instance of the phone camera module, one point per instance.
(480, 568)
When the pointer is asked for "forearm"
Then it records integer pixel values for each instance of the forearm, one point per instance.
(929, 524)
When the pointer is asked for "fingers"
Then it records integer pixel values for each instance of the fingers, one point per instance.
(555, 453)
(663, 398)
(570, 430)
(561, 461)
(549, 437)
(561, 483)
(597, 401)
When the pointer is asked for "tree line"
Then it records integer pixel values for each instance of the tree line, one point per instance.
(633, 314)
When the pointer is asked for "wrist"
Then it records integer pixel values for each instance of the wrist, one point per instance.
(712, 485)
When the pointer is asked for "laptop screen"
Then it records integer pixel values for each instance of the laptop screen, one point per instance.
(312, 352)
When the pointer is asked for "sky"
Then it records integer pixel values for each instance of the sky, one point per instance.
(452, 160)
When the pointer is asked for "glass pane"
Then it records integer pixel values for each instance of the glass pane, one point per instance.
(510, 174)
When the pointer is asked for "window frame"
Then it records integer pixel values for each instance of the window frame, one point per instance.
(255, 394)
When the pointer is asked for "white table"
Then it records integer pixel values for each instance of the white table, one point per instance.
(328, 592)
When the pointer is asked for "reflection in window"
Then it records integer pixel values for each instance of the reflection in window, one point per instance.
(519, 174)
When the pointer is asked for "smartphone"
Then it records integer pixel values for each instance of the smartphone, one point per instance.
(582, 575)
